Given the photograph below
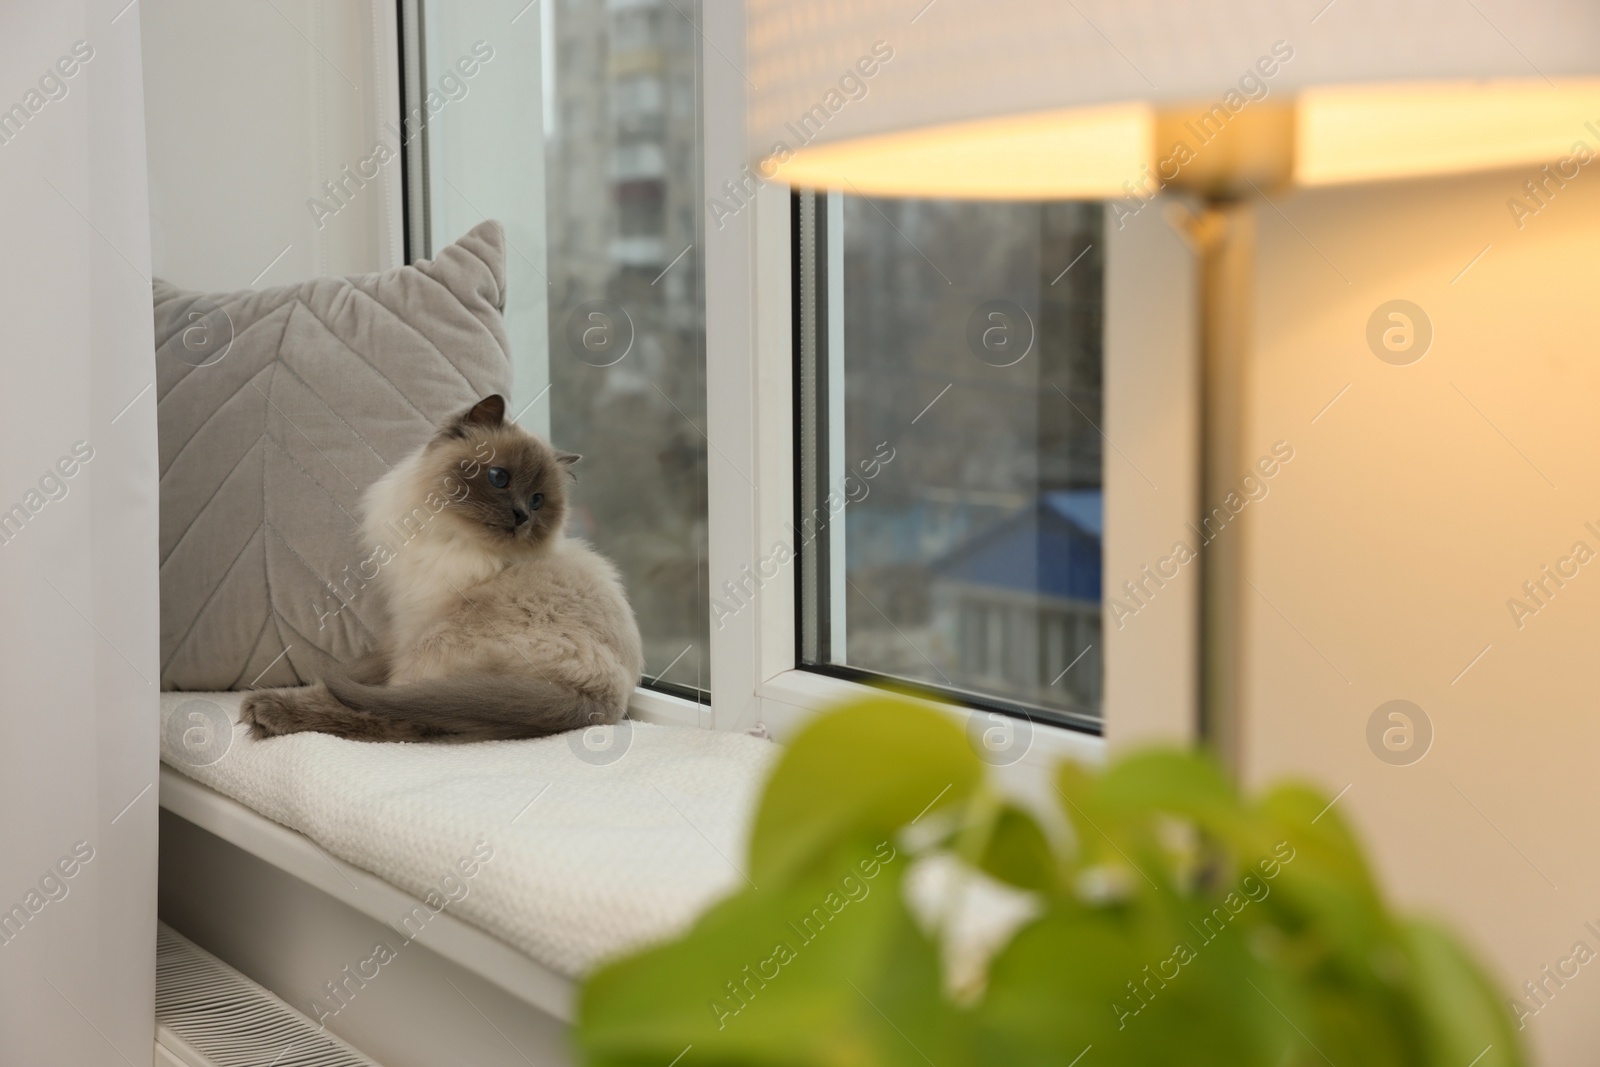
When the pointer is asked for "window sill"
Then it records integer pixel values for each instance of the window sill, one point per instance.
(649, 705)
(791, 697)
(294, 853)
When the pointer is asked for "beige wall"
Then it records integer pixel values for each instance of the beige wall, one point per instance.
(1383, 558)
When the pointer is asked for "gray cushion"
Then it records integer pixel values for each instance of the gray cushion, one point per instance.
(276, 410)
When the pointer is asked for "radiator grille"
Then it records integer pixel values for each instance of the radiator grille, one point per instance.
(210, 1015)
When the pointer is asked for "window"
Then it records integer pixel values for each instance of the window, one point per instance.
(949, 454)
(829, 439)
(600, 196)
(637, 99)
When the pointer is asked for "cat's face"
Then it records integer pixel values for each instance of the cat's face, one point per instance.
(504, 485)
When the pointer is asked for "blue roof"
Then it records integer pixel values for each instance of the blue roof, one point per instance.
(1085, 507)
(1051, 548)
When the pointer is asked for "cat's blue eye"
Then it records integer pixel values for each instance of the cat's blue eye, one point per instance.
(535, 502)
(499, 477)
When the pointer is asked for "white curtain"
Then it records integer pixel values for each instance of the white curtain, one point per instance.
(78, 601)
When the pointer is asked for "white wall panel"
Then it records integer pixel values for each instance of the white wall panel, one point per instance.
(78, 634)
(253, 110)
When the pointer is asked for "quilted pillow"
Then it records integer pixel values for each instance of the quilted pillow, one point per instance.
(276, 410)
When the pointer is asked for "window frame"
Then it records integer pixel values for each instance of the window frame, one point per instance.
(1152, 396)
(819, 303)
(415, 225)
(1152, 390)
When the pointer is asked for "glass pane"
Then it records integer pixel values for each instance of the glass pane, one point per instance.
(582, 135)
(955, 411)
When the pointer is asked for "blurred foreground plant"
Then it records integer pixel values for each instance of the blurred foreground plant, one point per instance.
(1172, 922)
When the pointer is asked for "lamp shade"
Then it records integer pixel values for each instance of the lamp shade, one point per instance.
(1084, 98)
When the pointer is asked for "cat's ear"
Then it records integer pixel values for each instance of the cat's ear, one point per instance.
(567, 459)
(488, 412)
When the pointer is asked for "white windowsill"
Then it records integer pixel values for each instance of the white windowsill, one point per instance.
(293, 852)
(648, 705)
(791, 697)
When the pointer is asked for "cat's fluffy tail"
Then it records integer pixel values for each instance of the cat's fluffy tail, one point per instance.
(479, 707)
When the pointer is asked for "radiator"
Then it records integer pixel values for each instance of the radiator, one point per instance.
(210, 1015)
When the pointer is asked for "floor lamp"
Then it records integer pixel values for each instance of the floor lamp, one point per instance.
(1223, 104)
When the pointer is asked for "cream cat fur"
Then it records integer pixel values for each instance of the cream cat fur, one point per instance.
(497, 625)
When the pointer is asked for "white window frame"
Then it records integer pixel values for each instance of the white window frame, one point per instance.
(1152, 409)
(1152, 406)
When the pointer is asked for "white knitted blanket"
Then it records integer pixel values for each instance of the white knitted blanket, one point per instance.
(593, 854)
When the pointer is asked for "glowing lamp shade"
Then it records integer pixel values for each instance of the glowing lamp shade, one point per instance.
(1370, 132)
(1079, 153)
(1035, 99)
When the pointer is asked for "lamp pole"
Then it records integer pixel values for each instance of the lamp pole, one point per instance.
(1223, 181)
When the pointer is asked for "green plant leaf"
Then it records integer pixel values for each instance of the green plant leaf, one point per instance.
(823, 971)
(1343, 1018)
(1123, 841)
(1463, 1017)
(867, 769)
(1311, 820)
(1019, 854)
(1137, 984)
(1051, 989)
(1322, 888)
(1177, 783)
(1244, 933)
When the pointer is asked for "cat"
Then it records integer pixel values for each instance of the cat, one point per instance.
(496, 625)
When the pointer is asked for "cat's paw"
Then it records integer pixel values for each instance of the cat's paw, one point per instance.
(270, 713)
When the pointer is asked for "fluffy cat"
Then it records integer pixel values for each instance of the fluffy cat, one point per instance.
(496, 625)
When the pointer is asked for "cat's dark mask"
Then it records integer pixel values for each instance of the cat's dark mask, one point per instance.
(502, 483)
